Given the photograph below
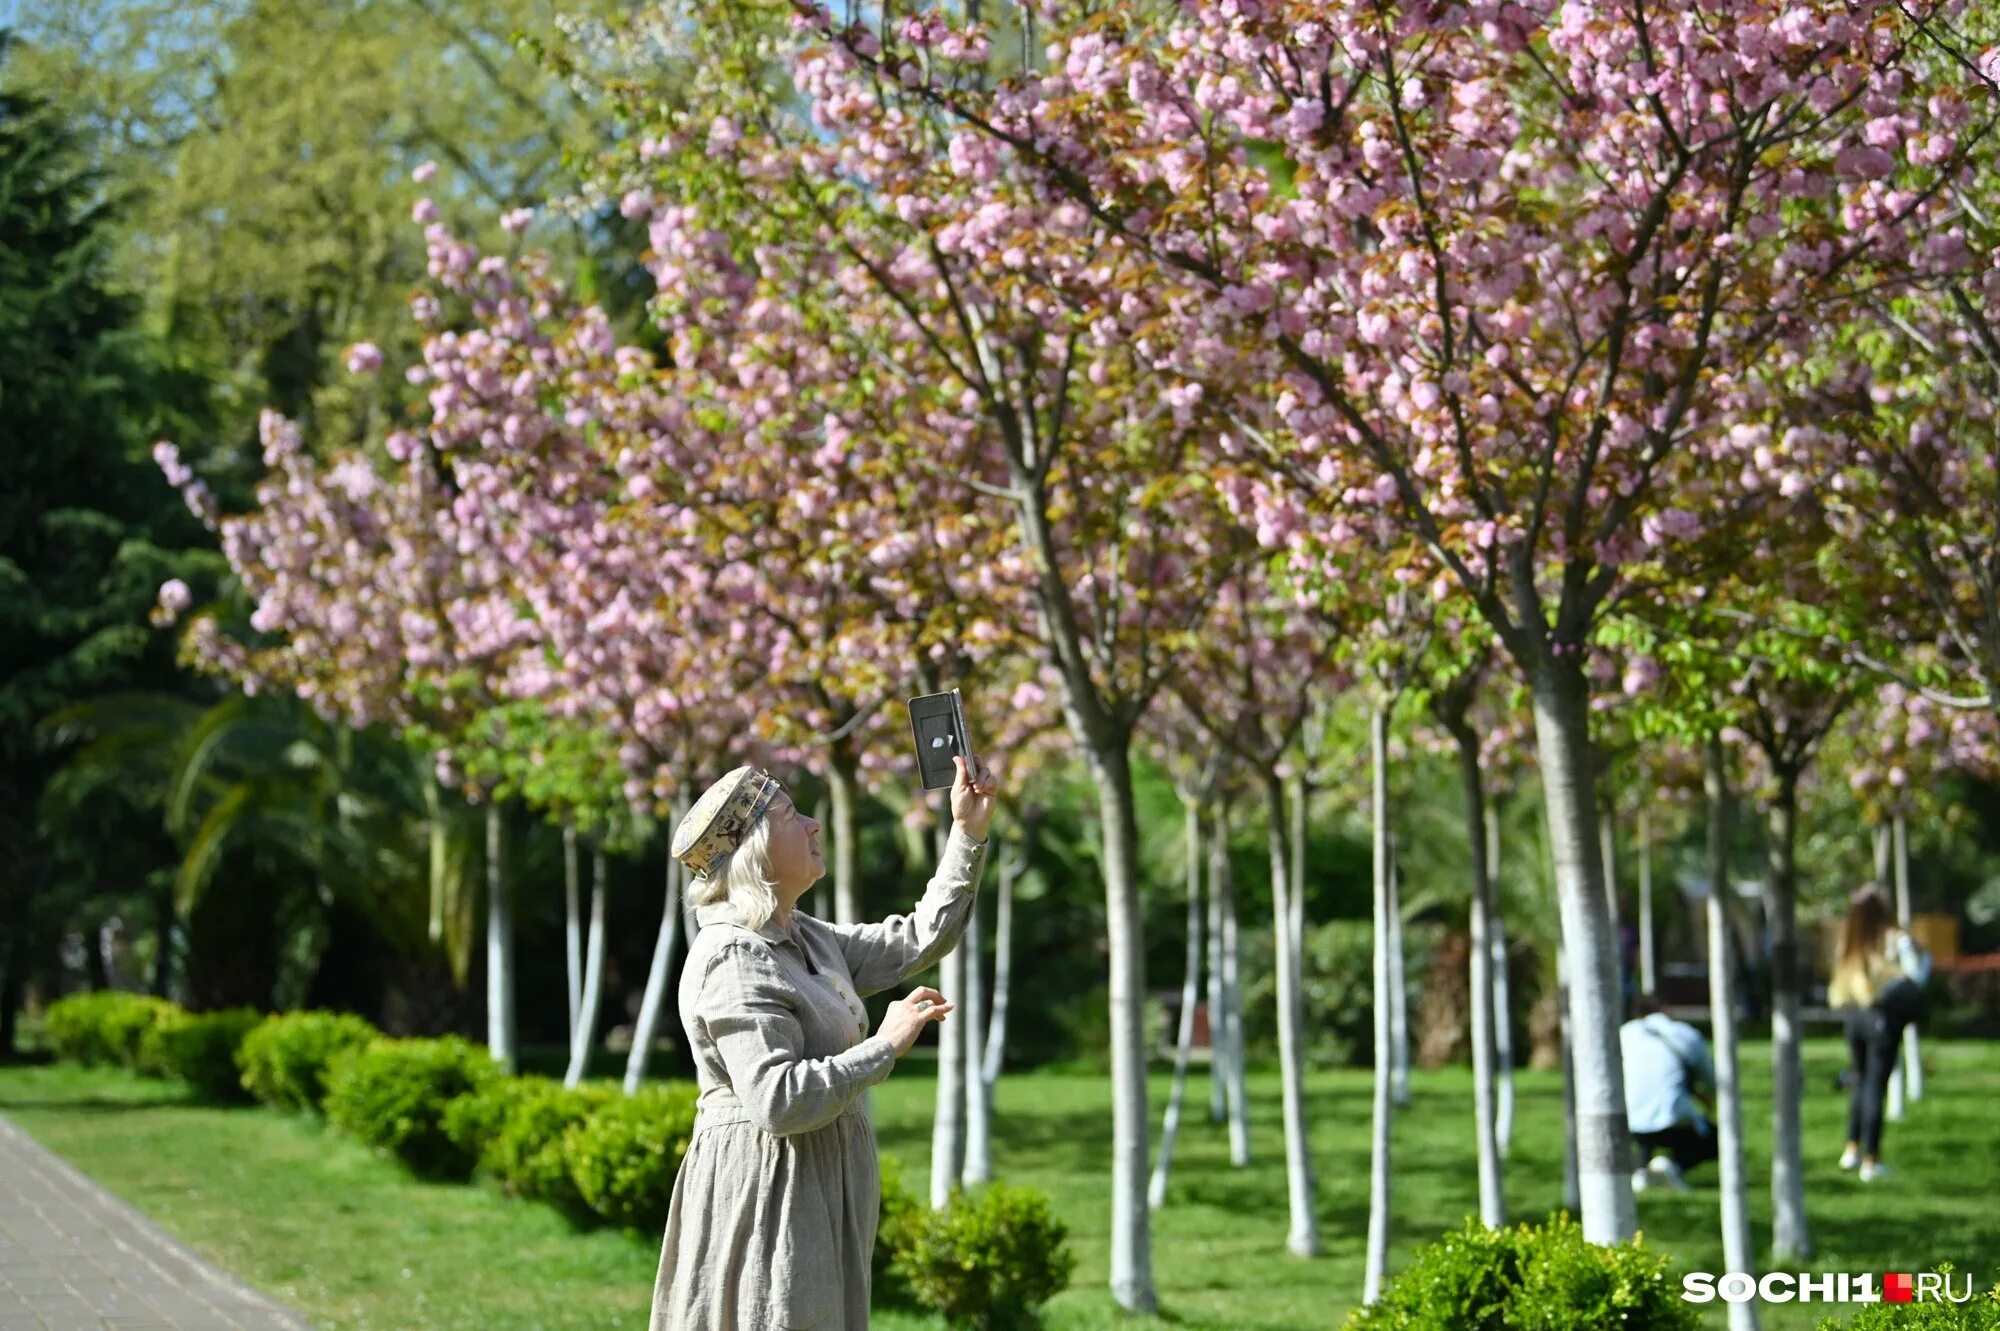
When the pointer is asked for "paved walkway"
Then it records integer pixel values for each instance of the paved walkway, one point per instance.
(75, 1258)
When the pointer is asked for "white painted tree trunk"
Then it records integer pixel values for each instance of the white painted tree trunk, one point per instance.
(584, 1038)
(1503, 1009)
(1562, 741)
(1492, 1196)
(1607, 847)
(843, 788)
(1648, 971)
(1156, 1193)
(440, 856)
(572, 929)
(1302, 1238)
(1222, 884)
(646, 1026)
(1737, 1253)
(1131, 1227)
(1296, 904)
(948, 1124)
(1218, 1038)
(501, 1039)
(1572, 1174)
(971, 1017)
(1377, 1269)
(1912, 1067)
(1399, 993)
(995, 1044)
(1791, 1240)
(824, 906)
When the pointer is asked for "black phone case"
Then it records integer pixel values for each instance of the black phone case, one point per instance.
(937, 727)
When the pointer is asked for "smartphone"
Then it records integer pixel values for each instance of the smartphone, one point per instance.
(937, 726)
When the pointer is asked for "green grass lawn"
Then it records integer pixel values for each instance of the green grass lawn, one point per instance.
(346, 1238)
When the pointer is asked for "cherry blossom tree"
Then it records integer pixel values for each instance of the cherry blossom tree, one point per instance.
(1502, 272)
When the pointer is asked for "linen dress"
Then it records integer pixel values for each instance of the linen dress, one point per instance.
(774, 1211)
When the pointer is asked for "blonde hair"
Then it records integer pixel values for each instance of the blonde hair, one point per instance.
(1862, 967)
(741, 879)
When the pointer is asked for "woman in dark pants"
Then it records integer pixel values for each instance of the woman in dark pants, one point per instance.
(1878, 980)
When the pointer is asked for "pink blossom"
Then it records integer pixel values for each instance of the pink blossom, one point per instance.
(364, 358)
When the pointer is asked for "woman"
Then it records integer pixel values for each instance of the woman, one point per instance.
(774, 1210)
(1878, 979)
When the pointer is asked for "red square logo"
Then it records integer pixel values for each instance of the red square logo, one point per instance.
(1898, 1289)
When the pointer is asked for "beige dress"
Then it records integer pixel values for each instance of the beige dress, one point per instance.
(775, 1207)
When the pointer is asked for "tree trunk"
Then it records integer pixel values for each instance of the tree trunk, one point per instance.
(572, 931)
(1377, 1269)
(1399, 993)
(1790, 1239)
(1503, 1009)
(584, 1038)
(10, 995)
(1302, 1239)
(948, 1125)
(1301, 795)
(843, 785)
(1131, 1228)
(163, 959)
(440, 851)
(1562, 741)
(978, 1166)
(1492, 1200)
(1218, 1038)
(1572, 1171)
(1737, 1254)
(1222, 884)
(647, 1024)
(1607, 851)
(1003, 969)
(1156, 1194)
(1912, 1067)
(1648, 973)
(501, 1037)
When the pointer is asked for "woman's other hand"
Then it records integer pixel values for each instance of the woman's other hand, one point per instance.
(974, 796)
(907, 1017)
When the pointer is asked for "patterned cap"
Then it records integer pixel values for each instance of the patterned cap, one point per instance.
(723, 816)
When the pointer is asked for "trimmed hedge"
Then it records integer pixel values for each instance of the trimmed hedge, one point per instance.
(284, 1061)
(514, 1128)
(623, 1159)
(1979, 1313)
(900, 1213)
(392, 1094)
(105, 1026)
(200, 1048)
(989, 1260)
(1520, 1277)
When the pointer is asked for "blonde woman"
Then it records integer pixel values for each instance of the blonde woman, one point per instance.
(1878, 979)
(774, 1211)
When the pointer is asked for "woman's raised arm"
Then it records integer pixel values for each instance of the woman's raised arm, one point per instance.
(881, 956)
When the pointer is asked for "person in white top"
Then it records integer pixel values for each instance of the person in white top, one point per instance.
(1669, 1087)
(1879, 981)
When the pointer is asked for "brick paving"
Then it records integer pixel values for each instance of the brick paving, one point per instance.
(75, 1258)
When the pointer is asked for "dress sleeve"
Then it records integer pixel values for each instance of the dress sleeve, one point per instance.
(881, 955)
(746, 1007)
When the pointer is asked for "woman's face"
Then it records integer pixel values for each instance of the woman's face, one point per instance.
(794, 853)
